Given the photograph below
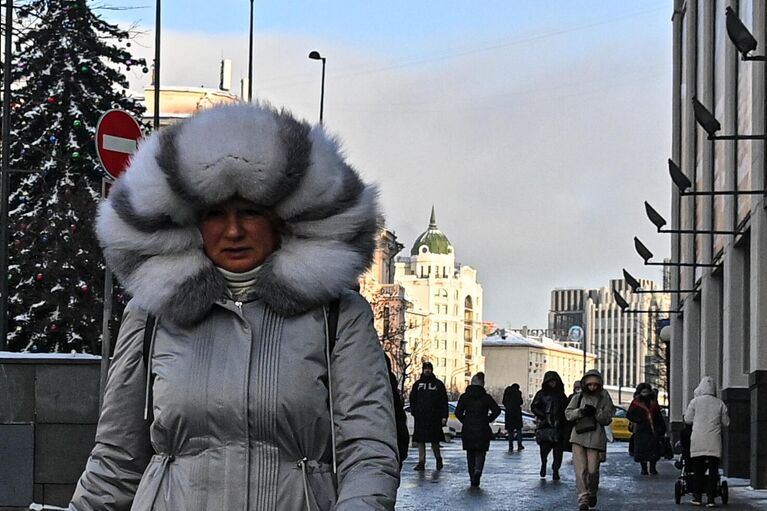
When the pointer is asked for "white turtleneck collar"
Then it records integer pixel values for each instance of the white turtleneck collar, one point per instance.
(239, 283)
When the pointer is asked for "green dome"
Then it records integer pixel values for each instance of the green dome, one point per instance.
(433, 239)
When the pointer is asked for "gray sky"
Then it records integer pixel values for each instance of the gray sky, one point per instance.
(537, 140)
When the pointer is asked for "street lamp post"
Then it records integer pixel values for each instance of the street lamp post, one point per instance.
(250, 57)
(315, 55)
(5, 174)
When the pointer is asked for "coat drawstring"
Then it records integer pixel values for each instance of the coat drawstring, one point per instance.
(148, 404)
(330, 392)
(302, 464)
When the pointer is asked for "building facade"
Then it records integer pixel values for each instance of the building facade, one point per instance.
(513, 358)
(568, 309)
(445, 317)
(388, 302)
(627, 345)
(721, 327)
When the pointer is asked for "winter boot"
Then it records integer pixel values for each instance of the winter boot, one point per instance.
(520, 447)
(653, 469)
(555, 475)
(419, 467)
(592, 500)
(439, 463)
(543, 470)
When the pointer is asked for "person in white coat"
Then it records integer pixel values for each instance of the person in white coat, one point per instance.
(708, 415)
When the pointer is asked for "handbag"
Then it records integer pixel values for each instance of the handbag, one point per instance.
(546, 436)
(666, 450)
(585, 424)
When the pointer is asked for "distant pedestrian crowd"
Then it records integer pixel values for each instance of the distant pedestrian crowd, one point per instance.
(578, 423)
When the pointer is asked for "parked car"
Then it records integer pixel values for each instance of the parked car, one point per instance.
(528, 423)
(449, 430)
(620, 424)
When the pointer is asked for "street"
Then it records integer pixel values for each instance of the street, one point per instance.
(511, 482)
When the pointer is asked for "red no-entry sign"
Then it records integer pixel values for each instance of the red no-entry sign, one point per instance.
(117, 136)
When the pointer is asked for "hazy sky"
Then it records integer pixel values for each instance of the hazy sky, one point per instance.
(536, 128)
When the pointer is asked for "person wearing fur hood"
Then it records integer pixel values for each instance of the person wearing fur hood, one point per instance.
(707, 414)
(590, 410)
(238, 233)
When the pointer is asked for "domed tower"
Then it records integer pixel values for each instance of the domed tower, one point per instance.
(432, 253)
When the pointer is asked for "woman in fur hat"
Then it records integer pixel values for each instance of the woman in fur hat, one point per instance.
(238, 232)
(476, 409)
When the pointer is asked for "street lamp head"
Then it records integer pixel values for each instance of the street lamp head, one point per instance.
(705, 118)
(642, 250)
(740, 36)
(631, 281)
(677, 176)
(315, 55)
(654, 216)
(622, 303)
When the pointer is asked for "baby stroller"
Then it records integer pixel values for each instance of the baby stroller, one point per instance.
(685, 484)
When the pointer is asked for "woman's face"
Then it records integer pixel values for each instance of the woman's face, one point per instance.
(237, 236)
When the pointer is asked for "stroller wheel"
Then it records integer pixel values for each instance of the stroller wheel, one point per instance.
(724, 492)
(678, 492)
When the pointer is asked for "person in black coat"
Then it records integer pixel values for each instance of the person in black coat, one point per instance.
(512, 401)
(649, 428)
(476, 410)
(548, 407)
(428, 404)
(403, 436)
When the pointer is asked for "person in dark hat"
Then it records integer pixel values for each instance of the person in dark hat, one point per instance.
(428, 403)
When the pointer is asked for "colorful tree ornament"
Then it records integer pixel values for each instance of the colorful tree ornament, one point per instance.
(39, 277)
(78, 123)
(51, 99)
(85, 288)
(54, 328)
(76, 155)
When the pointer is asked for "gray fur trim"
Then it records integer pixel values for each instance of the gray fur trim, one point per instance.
(167, 159)
(195, 297)
(123, 262)
(256, 152)
(294, 136)
(120, 198)
(349, 195)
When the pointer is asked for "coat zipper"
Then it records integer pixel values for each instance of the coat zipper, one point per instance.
(247, 408)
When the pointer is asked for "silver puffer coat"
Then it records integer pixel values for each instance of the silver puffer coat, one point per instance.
(242, 420)
(244, 399)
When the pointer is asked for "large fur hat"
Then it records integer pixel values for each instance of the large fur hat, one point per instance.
(148, 225)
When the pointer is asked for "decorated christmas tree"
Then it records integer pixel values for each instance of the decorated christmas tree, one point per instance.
(69, 69)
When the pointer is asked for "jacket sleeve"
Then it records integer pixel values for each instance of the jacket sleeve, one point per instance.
(495, 410)
(536, 407)
(605, 411)
(689, 415)
(506, 397)
(635, 414)
(122, 451)
(459, 410)
(366, 435)
(443, 401)
(413, 397)
(573, 411)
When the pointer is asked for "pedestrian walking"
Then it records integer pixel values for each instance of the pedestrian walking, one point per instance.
(512, 402)
(590, 411)
(403, 435)
(708, 415)
(649, 428)
(568, 428)
(548, 406)
(428, 404)
(476, 410)
(246, 374)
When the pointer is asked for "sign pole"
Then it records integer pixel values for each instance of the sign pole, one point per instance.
(106, 339)
(117, 137)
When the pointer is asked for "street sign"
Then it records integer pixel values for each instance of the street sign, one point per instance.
(575, 334)
(117, 136)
